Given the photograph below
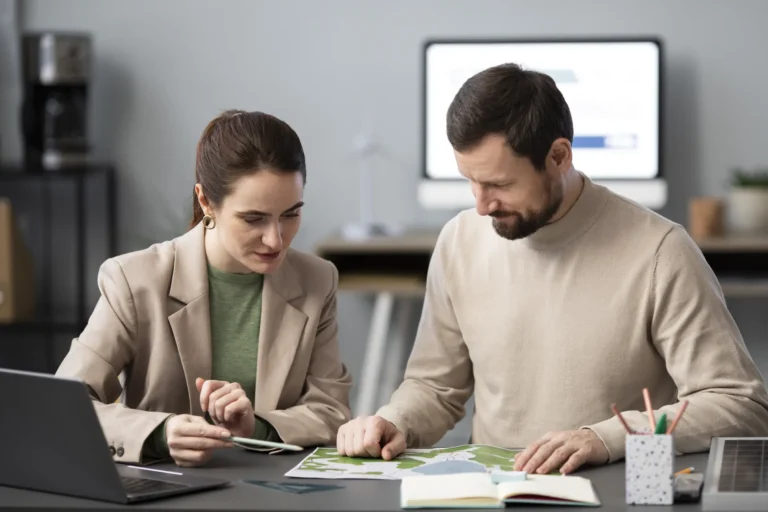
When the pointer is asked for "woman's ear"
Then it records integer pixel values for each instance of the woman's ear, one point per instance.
(201, 199)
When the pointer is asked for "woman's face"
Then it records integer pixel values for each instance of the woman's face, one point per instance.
(256, 222)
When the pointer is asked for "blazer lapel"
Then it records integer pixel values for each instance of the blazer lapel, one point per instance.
(282, 328)
(191, 325)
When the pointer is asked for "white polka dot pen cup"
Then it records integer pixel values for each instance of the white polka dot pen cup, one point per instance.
(649, 469)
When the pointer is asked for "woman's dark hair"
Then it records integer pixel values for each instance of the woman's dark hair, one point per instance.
(238, 143)
(524, 106)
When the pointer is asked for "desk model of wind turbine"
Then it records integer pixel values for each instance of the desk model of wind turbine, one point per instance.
(365, 148)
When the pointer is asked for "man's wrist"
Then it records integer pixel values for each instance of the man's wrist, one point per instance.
(611, 437)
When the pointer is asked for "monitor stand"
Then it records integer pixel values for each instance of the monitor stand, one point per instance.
(456, 194)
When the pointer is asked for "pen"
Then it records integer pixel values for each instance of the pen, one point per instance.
(649, 408)
(156, 470)
(621, 419)
(685, 471)
(661, 426)
(677, 418)
(265, 444)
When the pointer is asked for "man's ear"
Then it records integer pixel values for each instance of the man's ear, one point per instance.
(561, 153)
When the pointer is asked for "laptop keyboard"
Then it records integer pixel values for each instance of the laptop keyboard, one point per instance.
(136, 486)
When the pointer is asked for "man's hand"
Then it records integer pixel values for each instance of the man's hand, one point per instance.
(370, 436)
(563, 451)
(227, 405)
(191, 440)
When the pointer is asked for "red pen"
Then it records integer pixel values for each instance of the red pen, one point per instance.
(677, 418)
(621, 419)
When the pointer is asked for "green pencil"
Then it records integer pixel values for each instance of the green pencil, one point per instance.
(661, 426)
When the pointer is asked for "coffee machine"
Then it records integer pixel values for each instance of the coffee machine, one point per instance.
(56, 75)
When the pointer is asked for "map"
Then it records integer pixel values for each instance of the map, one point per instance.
(325, 463)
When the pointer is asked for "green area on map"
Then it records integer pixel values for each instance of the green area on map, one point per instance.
(491, 457)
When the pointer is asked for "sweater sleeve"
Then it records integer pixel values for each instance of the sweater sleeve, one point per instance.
(438, 378)
(704, 353)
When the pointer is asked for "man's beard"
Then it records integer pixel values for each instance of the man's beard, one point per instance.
(527, 225)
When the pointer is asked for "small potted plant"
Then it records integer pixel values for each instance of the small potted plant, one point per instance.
(748, 201)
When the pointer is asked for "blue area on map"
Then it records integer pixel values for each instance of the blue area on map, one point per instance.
(449, 467)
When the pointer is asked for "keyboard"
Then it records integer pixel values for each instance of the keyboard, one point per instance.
(140, 486)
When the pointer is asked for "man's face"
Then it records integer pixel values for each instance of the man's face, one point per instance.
(509, 189)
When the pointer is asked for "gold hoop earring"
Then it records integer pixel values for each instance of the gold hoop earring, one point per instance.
(209, 222)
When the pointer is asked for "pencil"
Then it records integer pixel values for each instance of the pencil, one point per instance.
(649, 408)
(684, 471)
(621, 419)
(264, 444)
(677, 418)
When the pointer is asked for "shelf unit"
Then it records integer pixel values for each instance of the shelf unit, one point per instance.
(102, 175)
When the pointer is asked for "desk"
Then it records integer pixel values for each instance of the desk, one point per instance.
(237, 465)
(394, 270)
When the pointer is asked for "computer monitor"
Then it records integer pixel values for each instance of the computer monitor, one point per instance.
(612, 86)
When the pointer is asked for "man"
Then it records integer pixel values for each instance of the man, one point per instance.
(569, 299)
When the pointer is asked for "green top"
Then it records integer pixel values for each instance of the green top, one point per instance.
(235, 305)
(235, 310)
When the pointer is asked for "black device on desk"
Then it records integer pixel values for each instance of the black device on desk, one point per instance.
(51, 440)
(54, 114)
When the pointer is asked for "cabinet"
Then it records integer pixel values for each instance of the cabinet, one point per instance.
(67, 220)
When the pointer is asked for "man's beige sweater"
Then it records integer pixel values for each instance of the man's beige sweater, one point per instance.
(548, 331)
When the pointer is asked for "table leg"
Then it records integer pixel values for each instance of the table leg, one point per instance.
(398, 347)
(374, 360)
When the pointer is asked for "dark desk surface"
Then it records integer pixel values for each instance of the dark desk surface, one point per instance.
(238, 465)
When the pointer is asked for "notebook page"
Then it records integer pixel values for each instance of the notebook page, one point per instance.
(574, 488)
(447, 487)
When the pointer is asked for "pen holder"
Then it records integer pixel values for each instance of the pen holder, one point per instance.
(649, 469)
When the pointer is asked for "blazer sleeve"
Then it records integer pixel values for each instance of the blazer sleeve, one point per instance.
(106, 346)
(324, 404)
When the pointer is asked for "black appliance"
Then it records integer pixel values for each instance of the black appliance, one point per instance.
(56, 75)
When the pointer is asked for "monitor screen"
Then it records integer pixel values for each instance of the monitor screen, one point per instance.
(612, 89)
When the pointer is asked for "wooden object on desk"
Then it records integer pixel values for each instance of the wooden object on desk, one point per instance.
(17, 286)
(705, 217)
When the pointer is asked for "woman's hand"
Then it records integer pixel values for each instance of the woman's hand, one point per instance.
(191, 440)
(227, 405)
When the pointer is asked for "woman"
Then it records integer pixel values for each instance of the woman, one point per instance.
(226, 321)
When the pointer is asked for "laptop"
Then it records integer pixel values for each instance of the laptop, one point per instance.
(51, 441)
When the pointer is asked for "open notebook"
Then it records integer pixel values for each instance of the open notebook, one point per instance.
(478, 490)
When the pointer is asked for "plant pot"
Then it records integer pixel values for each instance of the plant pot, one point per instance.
(748, 209)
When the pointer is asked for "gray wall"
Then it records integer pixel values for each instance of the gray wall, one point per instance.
(331, 68)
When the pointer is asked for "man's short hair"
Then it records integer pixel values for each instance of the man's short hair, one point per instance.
(524, 106)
